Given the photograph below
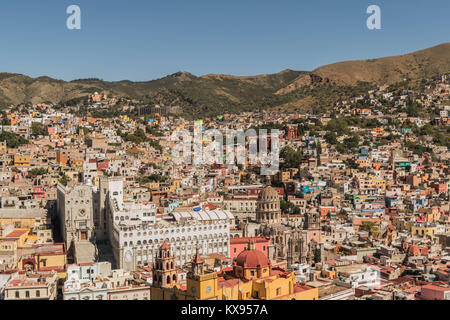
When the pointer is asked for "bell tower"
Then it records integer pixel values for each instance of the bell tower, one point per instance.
(197, 264)
(164, 269)
(201, 283)
(312, 219)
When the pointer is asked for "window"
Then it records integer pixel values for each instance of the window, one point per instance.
(27, 294)
(38, 293)
(17, 294)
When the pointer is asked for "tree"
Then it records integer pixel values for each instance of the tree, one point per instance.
(370, 227)
(12, 140)
(38, 129)
(291, 157)
(37, 171)
(331, 138)
(340, 126)
(317, 256)
(351, 142)
(287, 206)
(64, 180)
(137, 137)
(412, 109)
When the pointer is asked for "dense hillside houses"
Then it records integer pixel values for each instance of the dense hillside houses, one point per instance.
(94, 205)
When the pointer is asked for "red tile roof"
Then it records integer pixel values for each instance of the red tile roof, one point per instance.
(17, 233)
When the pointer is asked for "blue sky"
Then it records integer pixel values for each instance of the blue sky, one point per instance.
(146, 39)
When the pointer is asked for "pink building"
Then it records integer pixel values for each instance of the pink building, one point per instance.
(237, 245)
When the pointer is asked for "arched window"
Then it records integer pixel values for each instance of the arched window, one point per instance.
(168, 279)
(174, 277)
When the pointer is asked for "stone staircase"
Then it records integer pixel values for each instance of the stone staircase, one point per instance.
(84, 252)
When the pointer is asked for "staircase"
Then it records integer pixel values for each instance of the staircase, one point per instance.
(84, 252)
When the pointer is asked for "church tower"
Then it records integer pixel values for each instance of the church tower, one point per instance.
(312, 219)
(197, 264)
(201, 284)
(164, 270)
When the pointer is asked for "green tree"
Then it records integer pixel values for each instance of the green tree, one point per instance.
(291, 157)
(64, 180)
(12, 140)
(38, 129)
(37, 171)
(370, 227)
(287, 206)
(352, 142)
(331, 138)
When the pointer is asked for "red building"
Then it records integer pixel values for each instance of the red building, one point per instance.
(292, 133)
(38, 192)
(103, 165)
(237, 245)
(435, 292)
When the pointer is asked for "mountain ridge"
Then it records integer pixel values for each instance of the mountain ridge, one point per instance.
(213, 93)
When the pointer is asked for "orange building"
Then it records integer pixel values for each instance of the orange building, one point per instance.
(61, 157)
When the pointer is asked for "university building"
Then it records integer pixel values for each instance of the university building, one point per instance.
(135, 233)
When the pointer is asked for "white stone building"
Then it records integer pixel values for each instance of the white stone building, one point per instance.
(135, 235)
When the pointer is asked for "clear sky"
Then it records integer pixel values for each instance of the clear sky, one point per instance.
(147, 39)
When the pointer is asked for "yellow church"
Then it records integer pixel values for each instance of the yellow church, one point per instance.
(251, 277)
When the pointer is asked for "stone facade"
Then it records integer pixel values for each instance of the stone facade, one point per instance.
(76, 215)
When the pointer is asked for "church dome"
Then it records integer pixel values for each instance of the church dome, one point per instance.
(252, 259)
(268, 194)
(414, 251)
(268, 206)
